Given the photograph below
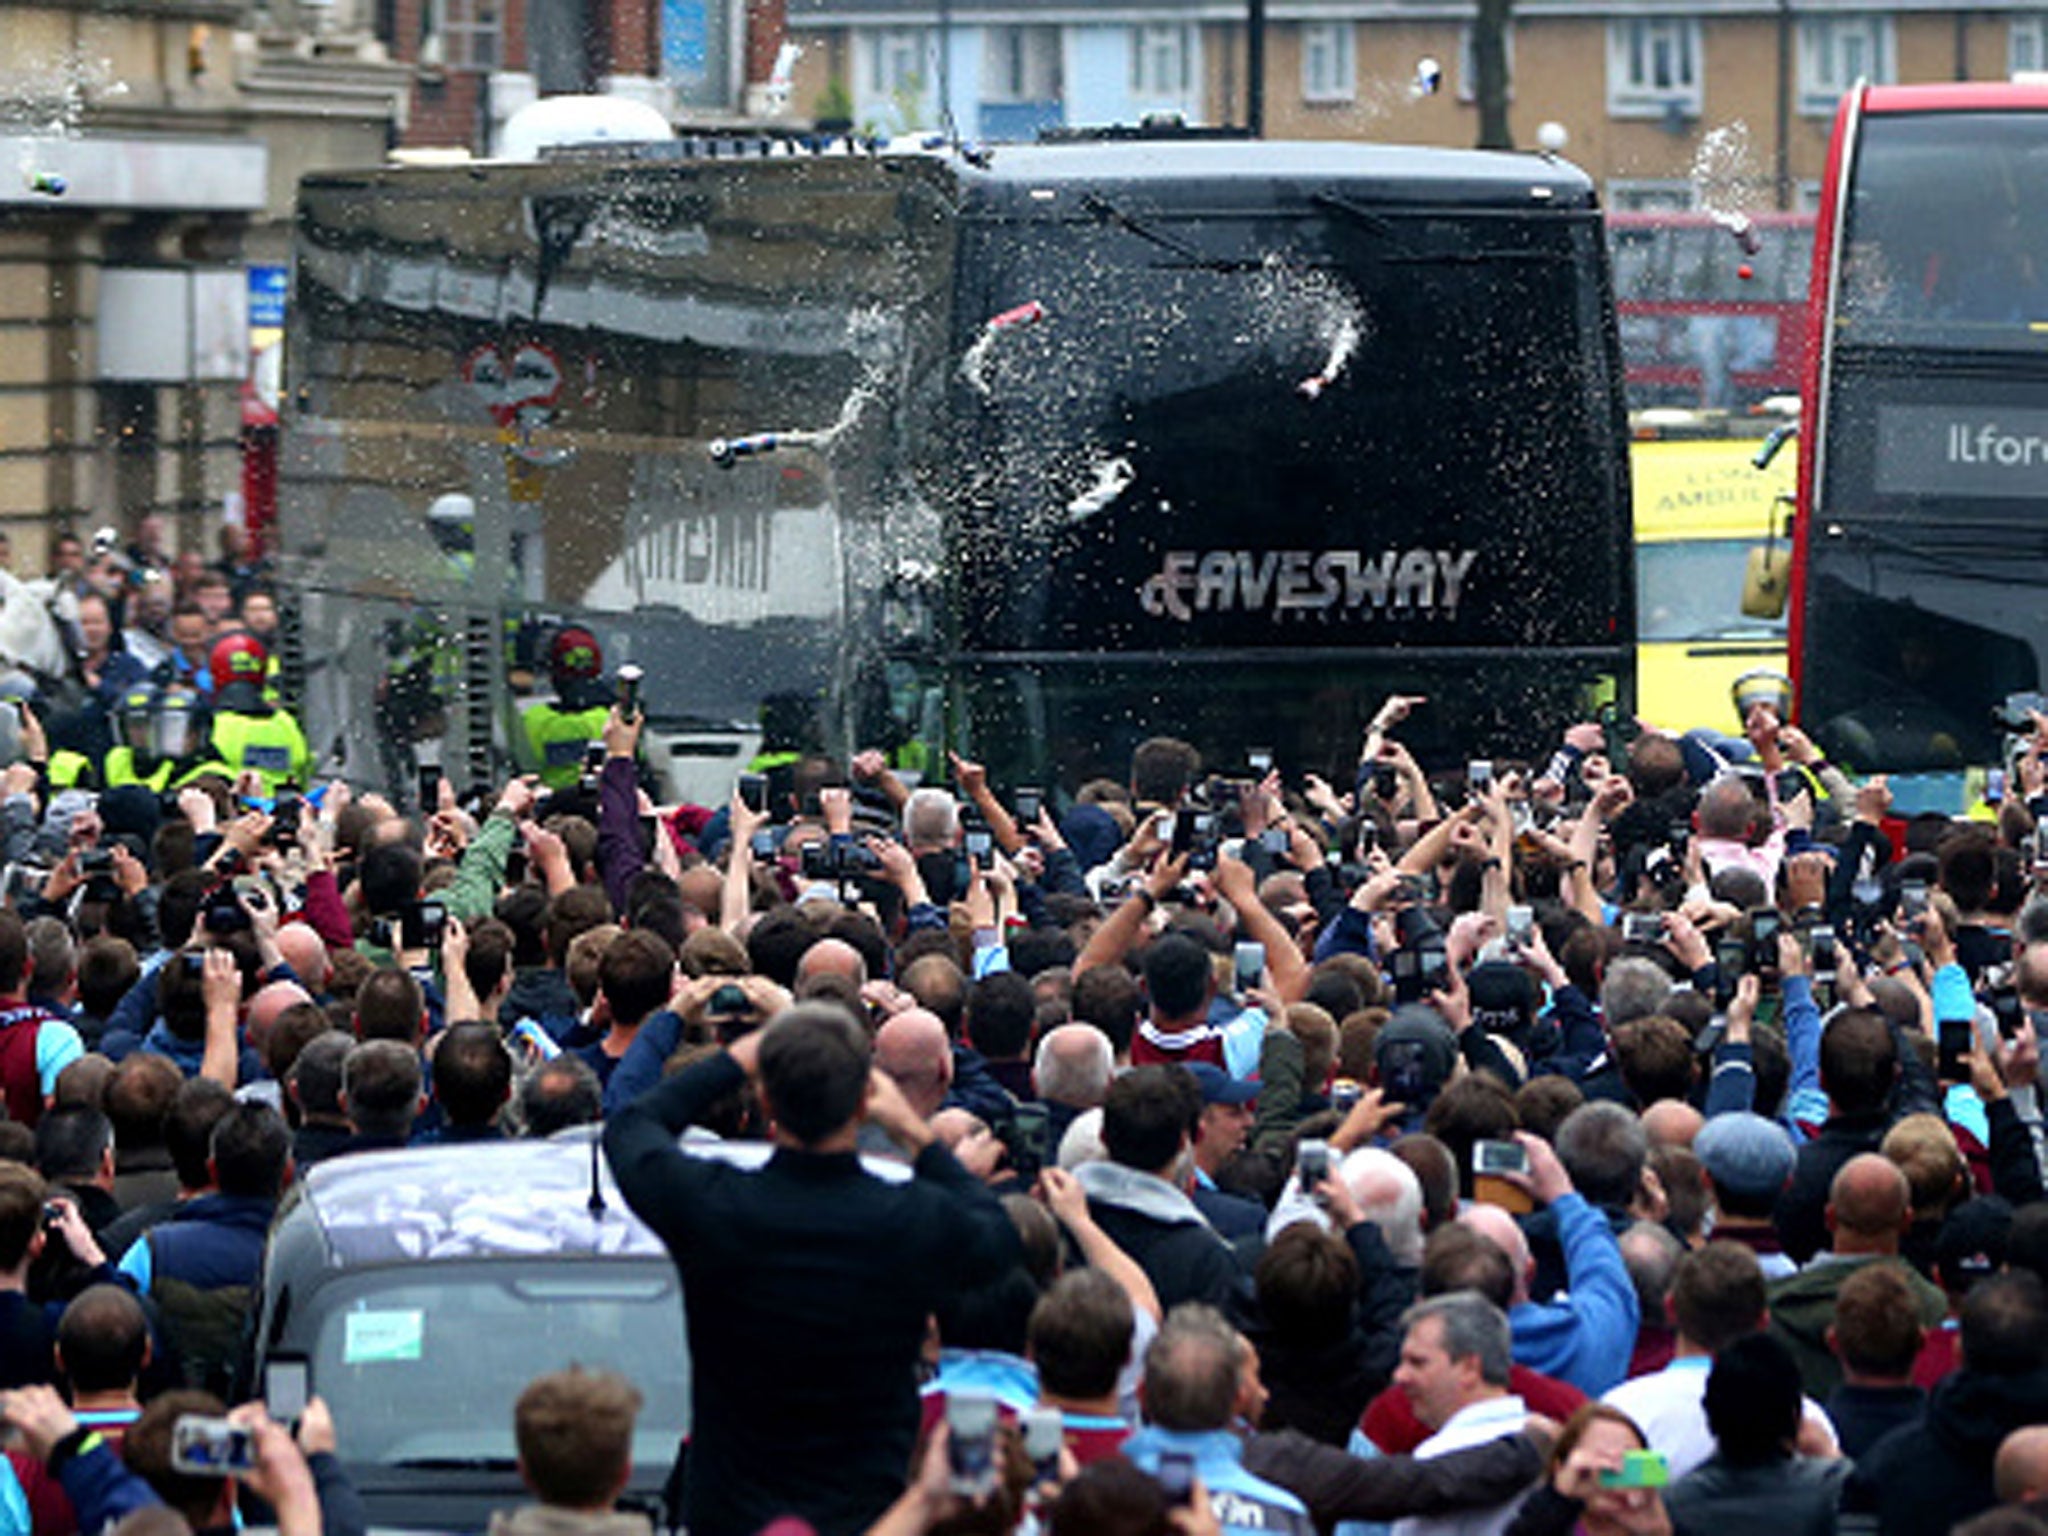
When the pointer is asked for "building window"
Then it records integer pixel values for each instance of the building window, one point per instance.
(1329, 67)
(1468, 72)
(1837, 51)
(460, 34)
(1020, 64)
(896, 62)
(1653, 66)
(1162, 62)
(2026, 45)
(1647, 196)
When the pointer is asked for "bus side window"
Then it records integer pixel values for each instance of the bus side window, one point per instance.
(1692, 261)
(1637, 270)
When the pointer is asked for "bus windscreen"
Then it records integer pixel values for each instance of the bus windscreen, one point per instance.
(1259, 433)
(1947, 232)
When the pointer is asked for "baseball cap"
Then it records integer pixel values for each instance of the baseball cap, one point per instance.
(1745, 1154)
(1219, 1087)
(1415, 1053)
(575, 654)
(1503, 1002)
(129, 808)
(1971, 1244)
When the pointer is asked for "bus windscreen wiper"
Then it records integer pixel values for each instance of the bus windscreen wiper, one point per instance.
(1949, 558)
(1193, 255)
(1358, 214)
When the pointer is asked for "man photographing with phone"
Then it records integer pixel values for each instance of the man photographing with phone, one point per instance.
(299, 1479)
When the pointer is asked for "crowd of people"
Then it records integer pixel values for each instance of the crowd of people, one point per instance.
(1622, 1143)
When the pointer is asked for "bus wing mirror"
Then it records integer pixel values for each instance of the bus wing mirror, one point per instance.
(1779, 437)
(1767, 581)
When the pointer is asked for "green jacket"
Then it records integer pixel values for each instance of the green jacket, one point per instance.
(1803, 1307)
(481, 875)
(554, 739)
(122, 769)
(271, 745)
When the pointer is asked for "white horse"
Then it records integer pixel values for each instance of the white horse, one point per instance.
(32, 642)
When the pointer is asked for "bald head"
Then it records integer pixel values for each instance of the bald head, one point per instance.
(2021, 1471)
(953, 1126)
(306, 953)
(938, 984)
(701, 887)
(1725, 807)
(1502, 1230)
(832, 957)
(1869, 1205)
(270, 1001)
(1074, 1066)
(2030, 976)
(1672, 1123)
(1389, 1196)
(913, 1049)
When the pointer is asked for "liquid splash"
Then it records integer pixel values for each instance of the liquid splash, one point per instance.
(1724, 180)
(974, 362)
(1112, 478)
(1289, 300)
(46, 103)
(1341, 348)
(869, 337)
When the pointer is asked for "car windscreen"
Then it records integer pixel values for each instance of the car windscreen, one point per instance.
(1692, 590)
(421, 1366)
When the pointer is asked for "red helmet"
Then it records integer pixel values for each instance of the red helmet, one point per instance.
(575, 655)
(237, 658)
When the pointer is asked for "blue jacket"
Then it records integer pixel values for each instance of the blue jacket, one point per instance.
(1244, 1504)
(640, 1068)
(1581, 1039)
(1587, 1338)
(209, 1243)
(190, 1054)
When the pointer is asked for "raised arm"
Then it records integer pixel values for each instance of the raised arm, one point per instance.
(736, 896)
(1119, 933)
(1235, 883)
(1062, 1192)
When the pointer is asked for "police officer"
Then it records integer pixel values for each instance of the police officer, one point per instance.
(162, 731)
(554, 736)
(250, 734)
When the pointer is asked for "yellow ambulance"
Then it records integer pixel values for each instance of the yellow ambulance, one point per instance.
(1701, 507)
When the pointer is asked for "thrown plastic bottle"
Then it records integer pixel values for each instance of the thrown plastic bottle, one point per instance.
(728, 451)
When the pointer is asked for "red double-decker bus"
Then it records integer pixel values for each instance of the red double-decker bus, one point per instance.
(1705, 322)
(1919, 549)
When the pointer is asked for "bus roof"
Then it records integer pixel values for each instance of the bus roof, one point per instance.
(1396, 172)
(1213, 175)
(1696, 218)
(1964, 96)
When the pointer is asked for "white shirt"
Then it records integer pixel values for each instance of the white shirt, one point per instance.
(1495, 1418)
(1670, 1408)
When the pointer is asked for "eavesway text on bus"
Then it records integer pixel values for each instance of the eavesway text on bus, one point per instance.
(1189, 582)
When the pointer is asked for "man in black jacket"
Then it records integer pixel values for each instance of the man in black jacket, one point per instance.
(1925, 1477)
(1859, 1064)
(1140, 1198)
(807, 1282)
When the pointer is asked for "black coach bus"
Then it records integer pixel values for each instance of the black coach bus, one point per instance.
(1032, 454)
